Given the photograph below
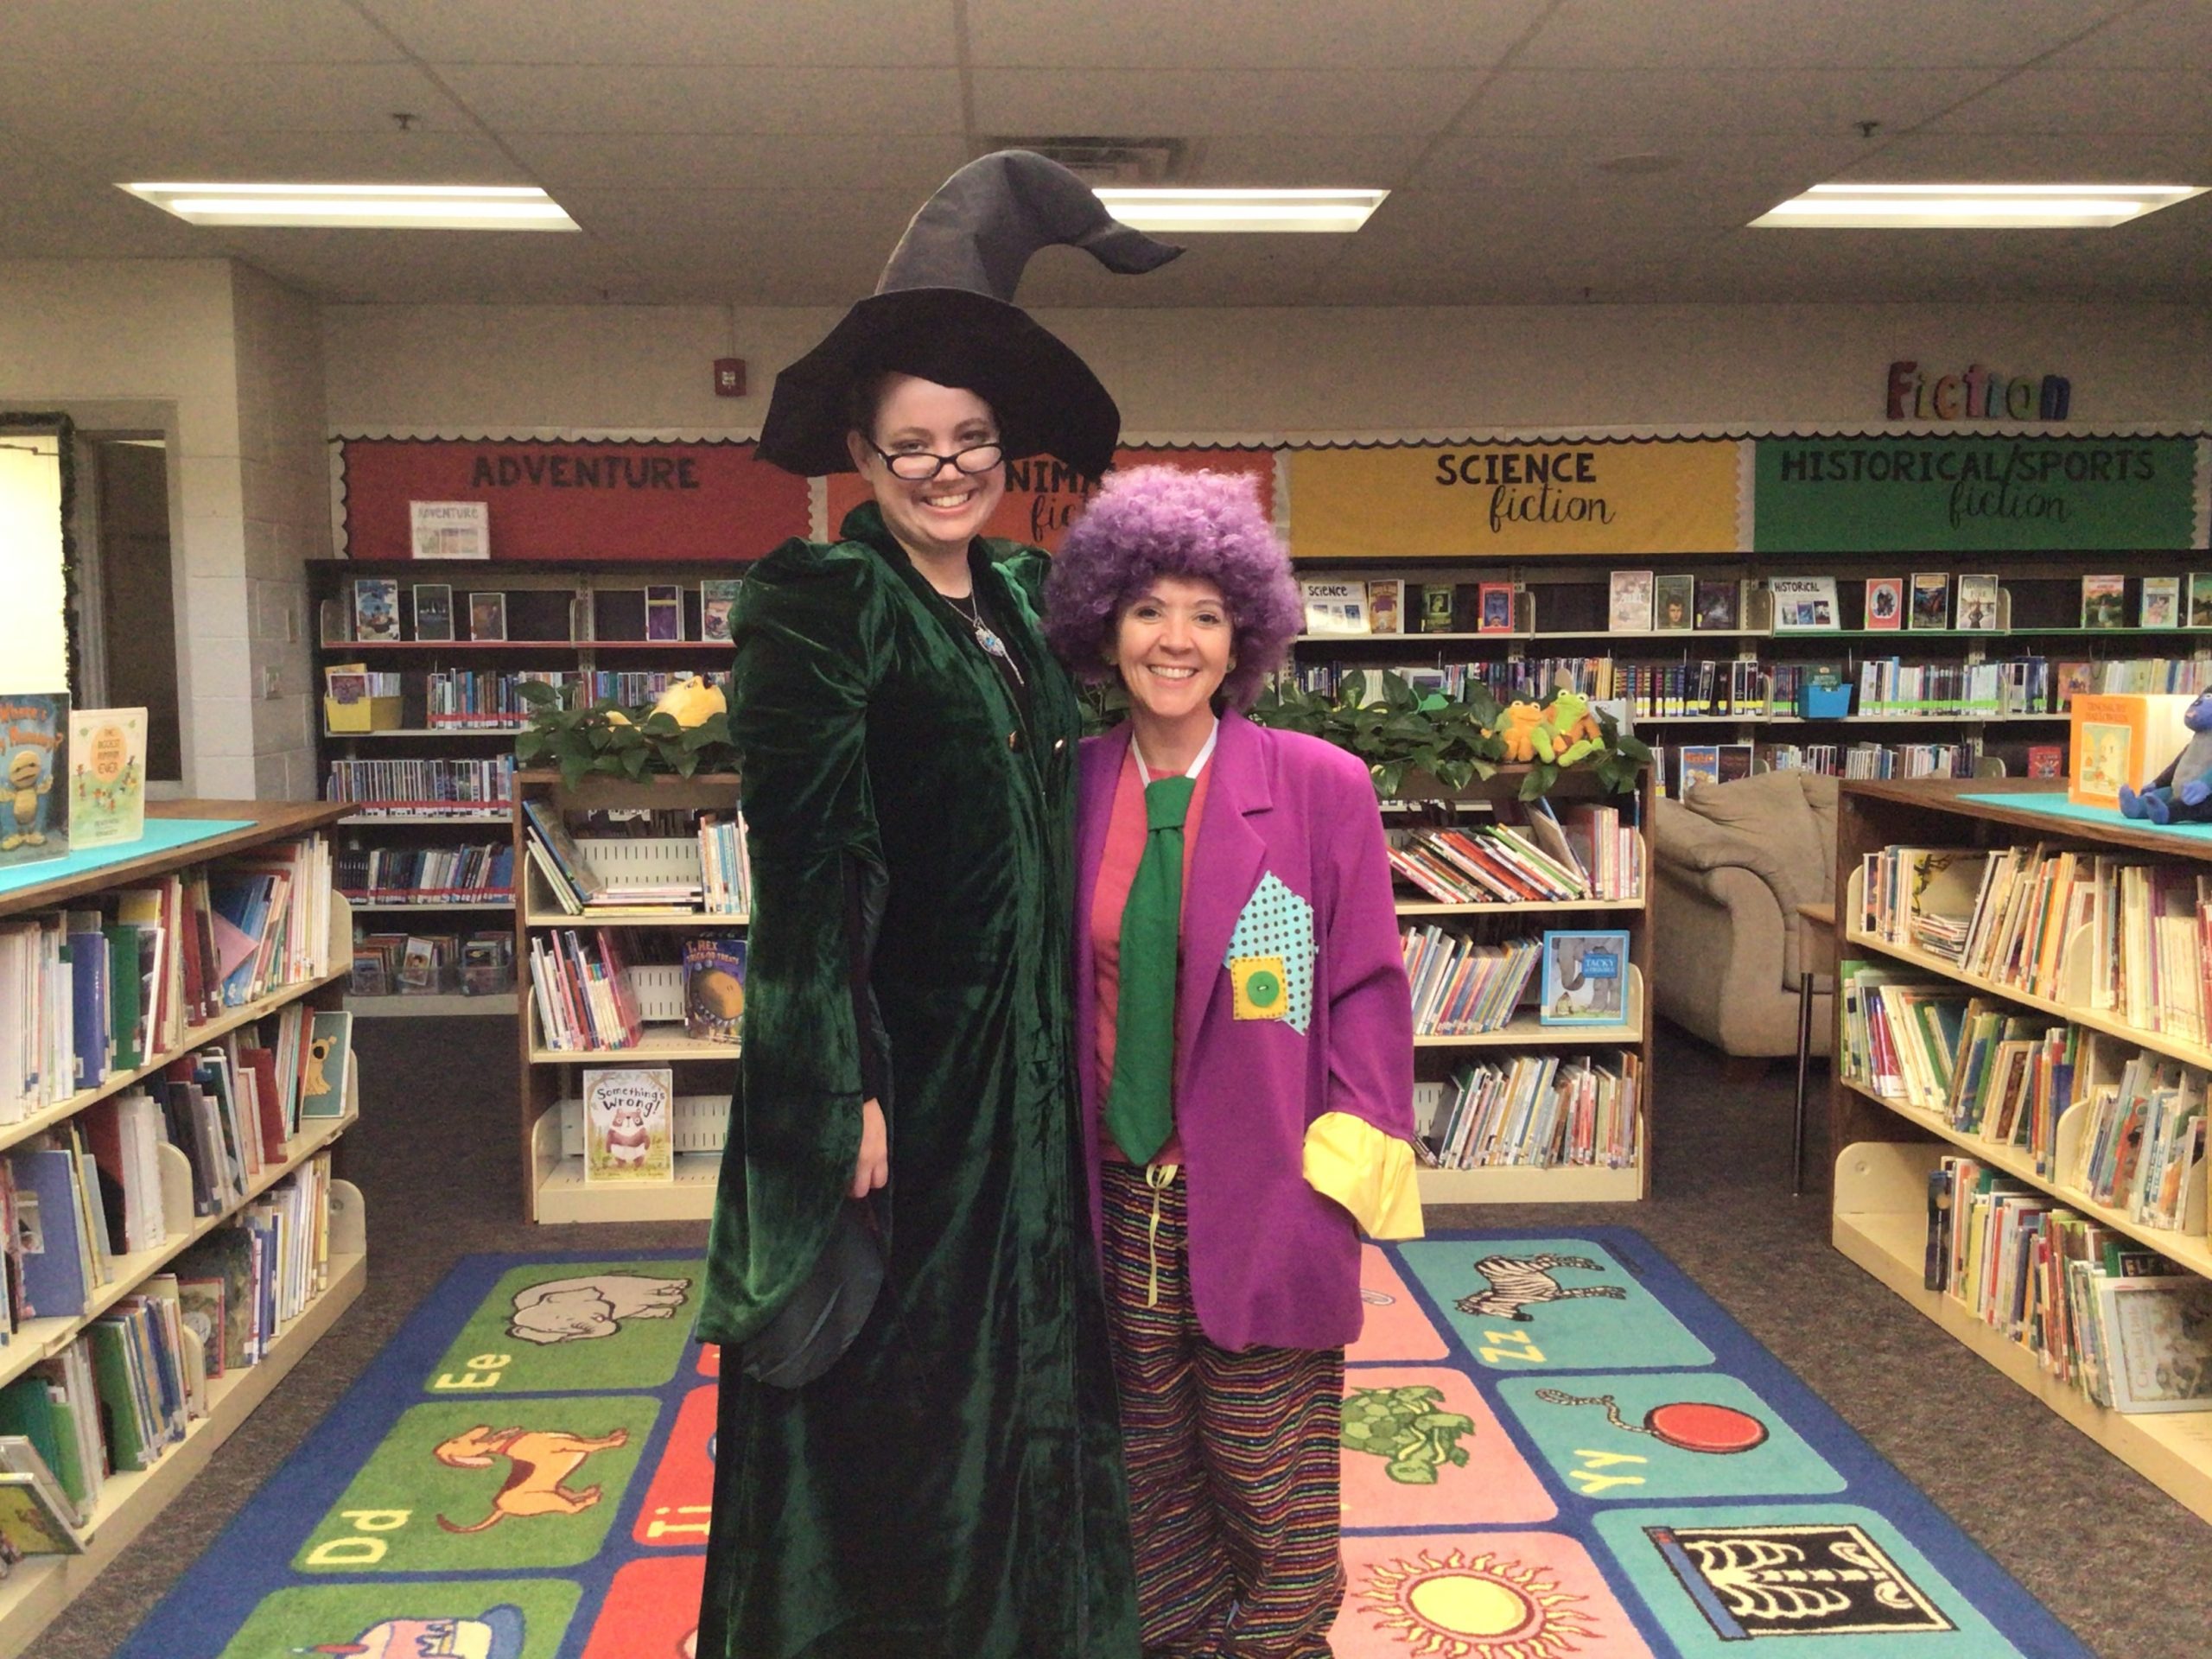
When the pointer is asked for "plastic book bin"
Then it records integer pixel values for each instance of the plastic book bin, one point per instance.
(1823, 702)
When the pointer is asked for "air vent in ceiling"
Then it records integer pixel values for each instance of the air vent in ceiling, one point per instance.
(1098, 162)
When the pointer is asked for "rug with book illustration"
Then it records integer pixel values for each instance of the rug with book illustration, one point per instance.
(1553, 1447)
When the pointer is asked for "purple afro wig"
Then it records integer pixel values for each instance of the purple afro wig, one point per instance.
(1151, 522)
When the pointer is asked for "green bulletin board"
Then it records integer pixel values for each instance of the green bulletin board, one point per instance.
(1875, 494)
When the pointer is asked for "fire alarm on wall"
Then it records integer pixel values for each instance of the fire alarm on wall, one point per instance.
(729, 377)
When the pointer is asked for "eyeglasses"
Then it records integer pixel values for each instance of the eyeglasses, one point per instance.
(918, 467)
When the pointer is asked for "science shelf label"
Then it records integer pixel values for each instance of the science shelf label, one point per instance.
(1970, 495)
(1506, 501)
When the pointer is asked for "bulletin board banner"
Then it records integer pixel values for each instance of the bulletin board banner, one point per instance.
(1514, 500)
(588, 499)
(1974, 494)
(1043, 496)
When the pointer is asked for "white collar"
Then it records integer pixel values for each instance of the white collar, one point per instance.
(1144, 771)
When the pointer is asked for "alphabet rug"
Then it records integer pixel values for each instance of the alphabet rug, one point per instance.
(1552, 1447)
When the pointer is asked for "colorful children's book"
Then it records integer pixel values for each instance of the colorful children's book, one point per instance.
(322, 1084)
(717, 597)
(107, 776)
(629, 1126)
(34, 813)
(2122, 739)
(714, 989)
(376, 607)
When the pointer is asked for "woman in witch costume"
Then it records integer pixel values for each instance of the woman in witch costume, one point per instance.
(917, 1454)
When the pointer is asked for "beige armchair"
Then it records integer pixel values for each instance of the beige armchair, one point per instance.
(1731, 865)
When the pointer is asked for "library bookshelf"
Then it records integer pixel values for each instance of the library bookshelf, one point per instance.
(553, 1177)
(1434, 1057)
(39, 1587)
(566, 616)
(1561, 607)
(1887, 1147)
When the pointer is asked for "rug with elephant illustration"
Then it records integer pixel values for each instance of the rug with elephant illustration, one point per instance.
(1553, 1447)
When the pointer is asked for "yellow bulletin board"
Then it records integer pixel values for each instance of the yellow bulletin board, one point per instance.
(1514, 500)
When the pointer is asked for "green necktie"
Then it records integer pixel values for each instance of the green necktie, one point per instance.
(1140, 1104)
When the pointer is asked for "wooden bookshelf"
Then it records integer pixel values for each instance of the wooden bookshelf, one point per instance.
(1886, 1147)
(1437, 1057)
(41, 1587)
(553, 1184)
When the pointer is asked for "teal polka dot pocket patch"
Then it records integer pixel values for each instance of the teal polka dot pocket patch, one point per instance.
(1271, 957)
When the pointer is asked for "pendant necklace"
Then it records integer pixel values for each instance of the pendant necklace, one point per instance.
(971, 613)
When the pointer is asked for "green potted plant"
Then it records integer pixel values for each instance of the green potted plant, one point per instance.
(685, 731)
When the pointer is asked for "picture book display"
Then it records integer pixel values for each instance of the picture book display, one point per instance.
(717, 597)
(1335, 607)
(1931, 598)
(2104, 601)
(1716, 602)
(714, 989)
(450, 529)
(629, 1125)
(1981, 604)
(2161, 606)
(487, 616)
(2117, 740)
(433, 611)
(1885, 603)
(1674, 603)
(1386, 605)
(1437, 602)
(1804, 604)
(2200, 599)
(376, 609)
(33, 737)
(1585, 979)
(1627, 606)
(663, 612)
(1496, 600)
(107, 776)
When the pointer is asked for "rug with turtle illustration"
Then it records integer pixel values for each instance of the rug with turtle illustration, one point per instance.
(1553, 1447)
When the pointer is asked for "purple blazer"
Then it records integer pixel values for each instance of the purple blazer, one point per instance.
(1273, 1262)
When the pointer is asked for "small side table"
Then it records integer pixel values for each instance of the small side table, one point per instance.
(1815, 960)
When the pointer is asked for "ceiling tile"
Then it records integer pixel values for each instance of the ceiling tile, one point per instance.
(486, 267)
(2026, 158)
(2167, 34)
(1378, 161)
(796, 218)
(524, 97)
(48, 210)
(1181, 103)
(1244, 33)
(1864, 34)
(247, 98)
(298, 158)
(85, 32)
(911, 32)
(909, 167)
(2089, 100)
(1212, 271)
(1575, 103)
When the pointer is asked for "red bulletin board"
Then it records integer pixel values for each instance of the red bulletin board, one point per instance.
(601, 498)
(1042, 496)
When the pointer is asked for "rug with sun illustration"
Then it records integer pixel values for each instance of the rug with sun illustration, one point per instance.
(1552, 1447)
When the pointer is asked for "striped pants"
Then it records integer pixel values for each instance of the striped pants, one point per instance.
(1232, 1457)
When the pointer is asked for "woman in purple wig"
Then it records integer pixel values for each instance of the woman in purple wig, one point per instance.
(1245, 1040)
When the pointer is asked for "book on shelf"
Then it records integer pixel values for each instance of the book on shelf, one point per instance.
(425, 875)
(717, 598)
(1542, 1111)
(487, 616)
(1463, 987)
(1386, 605)
(1718, 599)
(376, 609)
(1931, 600)
(323, 1067)
(2161, 603)
(1885, 607)
(629, 1126)
(580, 982)
(107, 776)
(663, 612)
(34, 740)
(554, 850)
(1337, 607)
(487, 964)
(1628, 602)
(433, 611)
(714, 989)
(727, 869)
(2104, 601)
(1586, 978)
(2200, 599)
(1486, 863)
(1804, 604)
(1674, 604)
(2122, 741)
(422, 787)
(1981, 604)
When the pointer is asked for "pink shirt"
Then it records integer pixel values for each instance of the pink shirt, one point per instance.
(1119, 856)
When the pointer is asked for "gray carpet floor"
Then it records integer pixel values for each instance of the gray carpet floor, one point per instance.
(2129, 1570)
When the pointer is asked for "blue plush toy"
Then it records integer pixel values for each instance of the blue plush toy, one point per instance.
(2182, 792)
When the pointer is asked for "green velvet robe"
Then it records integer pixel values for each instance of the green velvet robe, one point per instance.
(952, 1487)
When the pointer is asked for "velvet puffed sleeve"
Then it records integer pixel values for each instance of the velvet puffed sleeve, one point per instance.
(807, 630)
(1359, 1149)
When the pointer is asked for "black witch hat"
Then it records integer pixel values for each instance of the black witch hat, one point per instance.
(944, 311)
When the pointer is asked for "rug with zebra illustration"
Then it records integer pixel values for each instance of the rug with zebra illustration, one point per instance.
(1552, 1447)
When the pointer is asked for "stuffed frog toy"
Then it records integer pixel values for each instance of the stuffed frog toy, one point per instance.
(2182, 792)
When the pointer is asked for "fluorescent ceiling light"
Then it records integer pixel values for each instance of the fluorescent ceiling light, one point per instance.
(1972, 207)
(362, 207)
(1187, 211)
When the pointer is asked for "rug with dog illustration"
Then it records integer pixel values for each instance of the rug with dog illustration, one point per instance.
(1553, 1447)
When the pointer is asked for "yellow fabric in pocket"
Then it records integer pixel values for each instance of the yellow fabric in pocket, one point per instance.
(1259, 983)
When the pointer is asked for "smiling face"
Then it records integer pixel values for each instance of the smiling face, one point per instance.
(1173, 647)
(938, 517)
